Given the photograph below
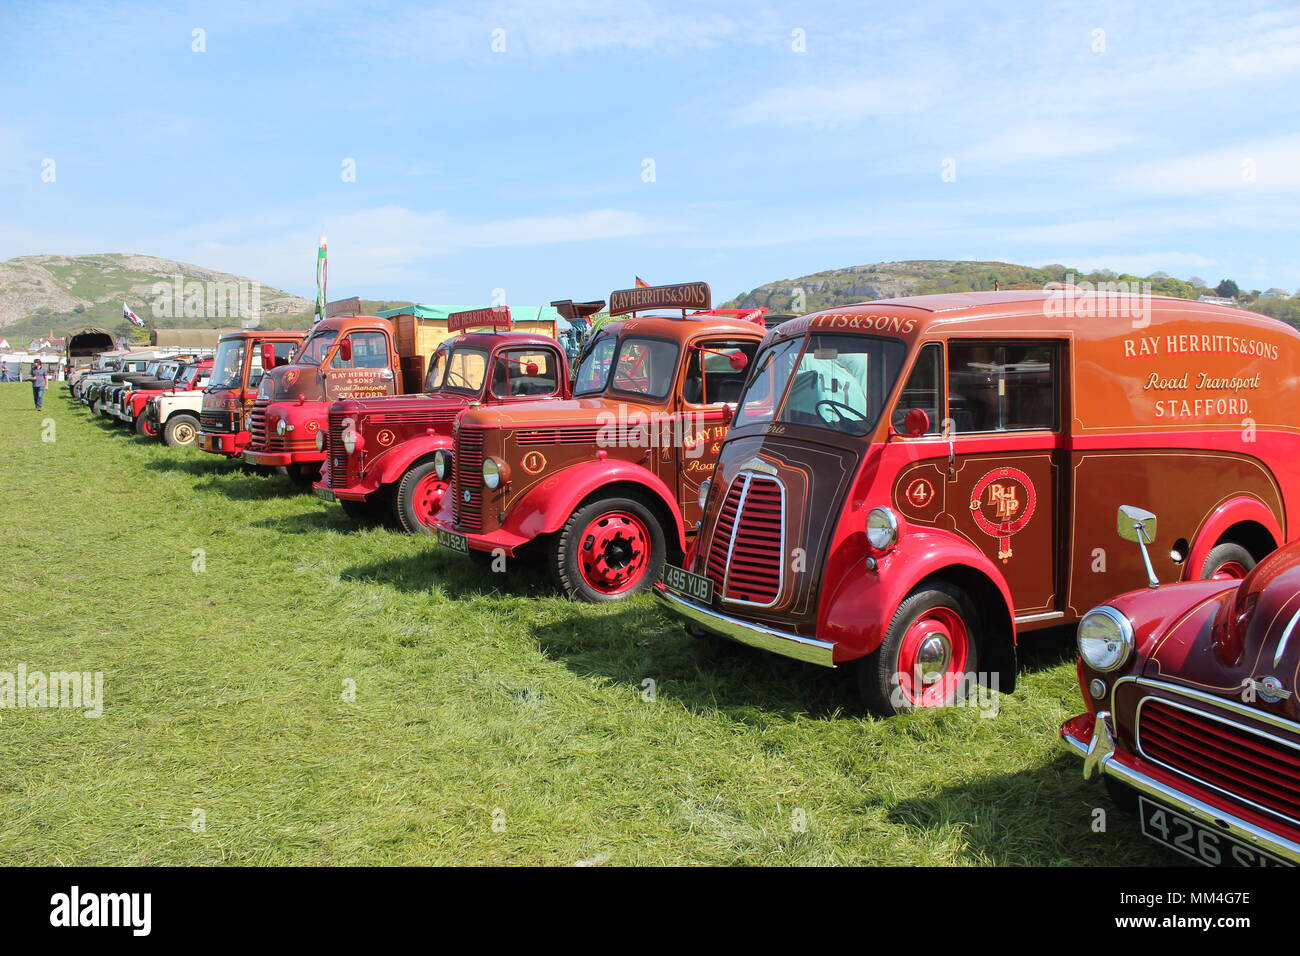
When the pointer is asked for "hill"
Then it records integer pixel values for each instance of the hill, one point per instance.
(883, 280)
(54, 293)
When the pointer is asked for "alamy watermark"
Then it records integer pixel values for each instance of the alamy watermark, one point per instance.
(182, 298)
(72, 690)
(1116, 299)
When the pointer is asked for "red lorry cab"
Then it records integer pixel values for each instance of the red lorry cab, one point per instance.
(241, 360)
(342, 357)
(605, 485)
(909, 482)
(380, 451)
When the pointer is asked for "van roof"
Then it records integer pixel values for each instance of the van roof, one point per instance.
(1016, 310)
(683, 327)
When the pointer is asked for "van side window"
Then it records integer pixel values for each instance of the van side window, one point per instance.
(924, 390)
(710, 377)
(525, 372)
(1002, 387)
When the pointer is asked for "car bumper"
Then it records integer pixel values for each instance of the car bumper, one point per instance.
(801, 648)
(1093, 739)
(490, 541)
(347, 493)
(280, 459)
(223, 443)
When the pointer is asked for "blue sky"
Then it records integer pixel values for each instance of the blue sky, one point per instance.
(785, 138)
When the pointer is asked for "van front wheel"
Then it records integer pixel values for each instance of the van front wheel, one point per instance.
(929, 648)
(1227, 562)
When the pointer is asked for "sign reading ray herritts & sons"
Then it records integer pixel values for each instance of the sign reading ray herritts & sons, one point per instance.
(686, 295)
(497, 316)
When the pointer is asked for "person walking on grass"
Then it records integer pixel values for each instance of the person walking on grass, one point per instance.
(39, 380)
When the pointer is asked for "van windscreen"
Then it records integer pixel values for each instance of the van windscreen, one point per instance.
(839, 382)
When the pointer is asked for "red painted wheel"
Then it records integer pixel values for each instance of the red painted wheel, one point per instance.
(1227, 562)
(608, 550)
(613, 552)
(418, 498)
(933, 656)
(428, 497)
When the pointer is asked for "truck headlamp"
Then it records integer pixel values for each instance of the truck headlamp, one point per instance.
(320, 440)
(882, 529)
(1105, 638)
(281, 427)
(705, 485)
(442, 463)
(495, 473)
(352, 442)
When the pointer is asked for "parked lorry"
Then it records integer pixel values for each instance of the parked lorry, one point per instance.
(910, 483)
(241, 360)
(361, 356)
(191, 377)
(605, 486)
(380, 451)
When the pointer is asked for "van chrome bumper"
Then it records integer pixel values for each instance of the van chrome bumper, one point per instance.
(1096, 745)
(807, 649)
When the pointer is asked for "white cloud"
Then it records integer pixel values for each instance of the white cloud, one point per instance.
(1269, 165)
(838, 104)
(1037, 142)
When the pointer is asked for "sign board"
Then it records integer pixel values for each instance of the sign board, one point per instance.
(496, 316)
(691, 296)
(344, 307)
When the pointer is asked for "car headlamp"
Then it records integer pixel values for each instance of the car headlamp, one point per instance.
(1105, 638)
(495, 473)
(442, 464)
(882, 529)
(705, 485)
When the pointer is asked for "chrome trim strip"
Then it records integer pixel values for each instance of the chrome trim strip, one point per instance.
(1208, 699)
(1045, 616)
(1137, 738)
(1286, 636)
(801, 648)
(1233, 825)
(735, 526)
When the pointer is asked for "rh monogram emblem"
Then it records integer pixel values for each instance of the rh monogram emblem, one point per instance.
(1002, 502)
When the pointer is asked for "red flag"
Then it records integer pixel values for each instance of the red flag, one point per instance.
(641, 283)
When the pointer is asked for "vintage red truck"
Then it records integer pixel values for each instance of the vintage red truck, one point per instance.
(380, 451)
(605, 485)
(241, 360)
(132, 403)
(1192, 713)
(909, 483)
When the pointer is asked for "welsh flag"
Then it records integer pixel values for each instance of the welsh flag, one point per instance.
(131, 316)
(322, 278)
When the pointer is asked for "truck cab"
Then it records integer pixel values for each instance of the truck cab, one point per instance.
(605, 485)
(342, 357)
(909, 484)
(241, 360)
(380, 451)
(190, 378)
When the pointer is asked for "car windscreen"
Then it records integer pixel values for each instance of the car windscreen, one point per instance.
(229, 364)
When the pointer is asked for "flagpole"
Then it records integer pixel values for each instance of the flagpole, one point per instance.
(322, 278)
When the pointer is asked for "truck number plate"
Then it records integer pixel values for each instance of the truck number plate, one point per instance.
(453, 541)
(324, 494)
(693, 586)
(1193, 839)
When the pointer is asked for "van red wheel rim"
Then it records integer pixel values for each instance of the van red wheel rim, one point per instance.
(933, 656)
(428, 497)
(614, 552)
(149, 428)
(1229, 571)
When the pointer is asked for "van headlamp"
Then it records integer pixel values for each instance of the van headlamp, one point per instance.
(495, 473)
(442, 463)
(320, 440)
(281, 427)
(882, 529)
(1105, 638)
(705, 485)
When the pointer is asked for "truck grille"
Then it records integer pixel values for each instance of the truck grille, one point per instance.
(337, 457)
(469, 478)
(745, 553)
(571, 435)
(1246, 764)
(217, 421)
(257, 433)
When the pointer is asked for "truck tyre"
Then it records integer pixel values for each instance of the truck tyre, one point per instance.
(181, 429)
(929, 647)
(304, 476)
(608, 550)
(1227, 562)
(419, 495)
(146, 427)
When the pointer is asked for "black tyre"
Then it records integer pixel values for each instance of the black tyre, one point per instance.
(1227, 562)
(181, 429)
(418, 497)
(929, 647)
(608, 550)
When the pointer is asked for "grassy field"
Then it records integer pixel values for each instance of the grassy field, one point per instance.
(491, 722)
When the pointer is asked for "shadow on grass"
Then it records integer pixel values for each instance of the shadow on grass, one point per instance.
(638, 642)
(1001, 819)
(429, 566)
(1046, 649)
(232, 479)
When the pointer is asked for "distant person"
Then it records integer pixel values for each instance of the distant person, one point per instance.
(4, 371)
(39, 380)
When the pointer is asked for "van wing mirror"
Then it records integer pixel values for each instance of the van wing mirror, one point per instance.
(268, 355)
(916, 422)
(1139, 526)
(345, 350)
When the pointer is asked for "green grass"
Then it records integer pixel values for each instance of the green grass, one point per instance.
(224, 692)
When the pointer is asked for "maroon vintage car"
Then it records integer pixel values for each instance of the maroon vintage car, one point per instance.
(1192, 713)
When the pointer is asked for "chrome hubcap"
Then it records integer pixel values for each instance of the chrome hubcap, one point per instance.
(932, 658)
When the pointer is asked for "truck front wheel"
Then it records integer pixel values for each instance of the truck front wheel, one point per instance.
(608, 550)
(181, 429)
(927, 652)
(418, 498)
